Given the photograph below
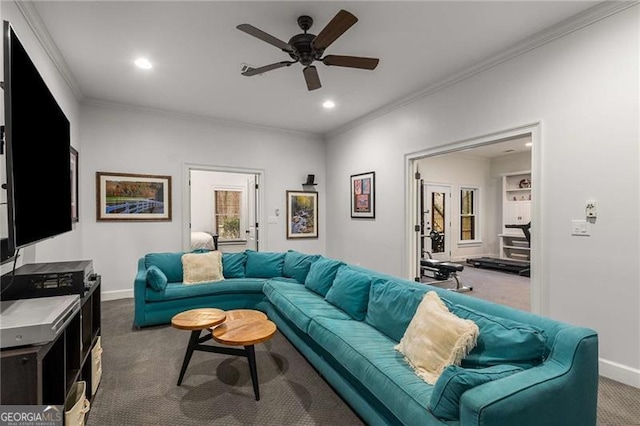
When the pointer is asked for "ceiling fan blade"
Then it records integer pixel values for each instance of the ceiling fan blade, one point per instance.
(311, 77)
(251, 30)
(334, 29)
(351, 61)
(255, 71)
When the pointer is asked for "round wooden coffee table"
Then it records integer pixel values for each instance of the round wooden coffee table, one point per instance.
(245, 327)
(196, 320)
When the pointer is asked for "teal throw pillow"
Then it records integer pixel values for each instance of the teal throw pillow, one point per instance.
(454, 381)
(321, 275)
(502, 340)
(296, 265)
(233, 264)
(392, 307)
(156, 278)
(264, 264)
(350, 292)
(169, 263)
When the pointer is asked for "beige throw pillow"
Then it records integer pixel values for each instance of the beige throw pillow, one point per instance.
(436, 338)
(202, 267)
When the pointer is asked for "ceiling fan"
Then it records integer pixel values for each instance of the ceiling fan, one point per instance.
(307, 48)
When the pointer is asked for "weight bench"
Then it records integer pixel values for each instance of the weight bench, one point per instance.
(443, 271)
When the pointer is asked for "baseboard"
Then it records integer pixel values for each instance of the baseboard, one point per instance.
(117, 294)
(619, 373)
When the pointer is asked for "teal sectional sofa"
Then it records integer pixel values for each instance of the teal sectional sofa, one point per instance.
(346, 320)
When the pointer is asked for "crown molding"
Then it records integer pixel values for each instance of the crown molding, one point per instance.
(42, 34)
(200, 118)
(561, 29)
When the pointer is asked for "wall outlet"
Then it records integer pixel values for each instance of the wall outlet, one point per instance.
(591, 209)
(580, 228)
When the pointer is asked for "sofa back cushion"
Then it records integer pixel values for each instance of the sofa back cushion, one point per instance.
(392, 306)
(233, 264)
(502, 340)
(296, 265)
(350, 292)
(156, 279)
(454, 381)
(169, 263)
(264, 264)
(321, 275)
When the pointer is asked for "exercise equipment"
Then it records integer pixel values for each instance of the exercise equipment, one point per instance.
(442, 270)
(518, 266)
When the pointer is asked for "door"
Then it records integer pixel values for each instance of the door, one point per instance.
(436, 221)
(253, 188)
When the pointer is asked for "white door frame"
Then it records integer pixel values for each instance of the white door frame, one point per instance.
(539, 291)
(186, 200)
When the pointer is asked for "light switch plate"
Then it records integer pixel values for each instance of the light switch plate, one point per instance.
(580, 228)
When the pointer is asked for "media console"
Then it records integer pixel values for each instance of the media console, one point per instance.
(44, 374)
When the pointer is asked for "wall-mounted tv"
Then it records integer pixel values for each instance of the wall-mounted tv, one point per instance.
(37, 135)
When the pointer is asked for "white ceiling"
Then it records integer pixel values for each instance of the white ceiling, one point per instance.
(197, 53)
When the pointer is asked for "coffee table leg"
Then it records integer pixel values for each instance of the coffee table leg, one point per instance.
(251, 357)
(193, 341)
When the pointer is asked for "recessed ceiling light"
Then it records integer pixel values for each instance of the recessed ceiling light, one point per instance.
(528, 144)
(143, 63)
(328, 104)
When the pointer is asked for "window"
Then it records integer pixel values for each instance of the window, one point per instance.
(468, 216)
(227, 218)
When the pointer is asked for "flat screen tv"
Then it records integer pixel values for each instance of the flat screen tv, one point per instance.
(37, 135)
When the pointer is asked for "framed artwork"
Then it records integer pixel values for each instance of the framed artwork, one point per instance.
(74, 185)
(132, 197)
(363, 195)
(302, 214)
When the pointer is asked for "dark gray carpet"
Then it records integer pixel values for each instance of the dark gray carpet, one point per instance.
(140, 371)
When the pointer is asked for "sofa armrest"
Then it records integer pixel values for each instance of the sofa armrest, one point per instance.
(561, 391)
(139, 291)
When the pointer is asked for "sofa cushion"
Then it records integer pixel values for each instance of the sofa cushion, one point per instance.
(454, 381)
(169, 263)
(368, 356)
(436, 338)
(263, 264)
(321, 275)
(299, 304)
(156, 279)
(202, 267)
(502, 340)
(350, 292)
(233, 264)
(231, 286)
(392, 306)
(296, 265)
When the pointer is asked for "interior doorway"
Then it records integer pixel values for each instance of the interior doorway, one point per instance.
(472, 218)
(224, 203)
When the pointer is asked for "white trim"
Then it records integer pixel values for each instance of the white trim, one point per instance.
(115, 295)
(539, 290)
(618, 372)
(186, 199)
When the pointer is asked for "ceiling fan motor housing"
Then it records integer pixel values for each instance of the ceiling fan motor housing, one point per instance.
(302, 50)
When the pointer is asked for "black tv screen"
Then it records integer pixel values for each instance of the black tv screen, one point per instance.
(38, 151)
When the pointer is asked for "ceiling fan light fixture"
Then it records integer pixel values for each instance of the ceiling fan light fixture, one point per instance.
(328, 104)
(143, 63)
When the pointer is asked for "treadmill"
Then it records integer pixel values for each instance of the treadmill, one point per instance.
(518, 266)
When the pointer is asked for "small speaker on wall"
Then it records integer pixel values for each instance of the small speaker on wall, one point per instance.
(310, 180)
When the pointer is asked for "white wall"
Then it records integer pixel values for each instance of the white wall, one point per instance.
(134, 141)
(69, 245)
(583, 89)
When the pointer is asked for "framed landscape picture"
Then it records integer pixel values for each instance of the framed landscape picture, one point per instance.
(363, 195)
(302, 214)
(131, 197)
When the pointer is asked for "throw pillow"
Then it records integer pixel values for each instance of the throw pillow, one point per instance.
(502, 340)
(262, 264)
(296, 265)
(156, 278)
(392, 306)
(169, 263)
(436, 338)
(350, 292)
(454, 381)
(202, 267)
(233, 264)
(321, 275)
